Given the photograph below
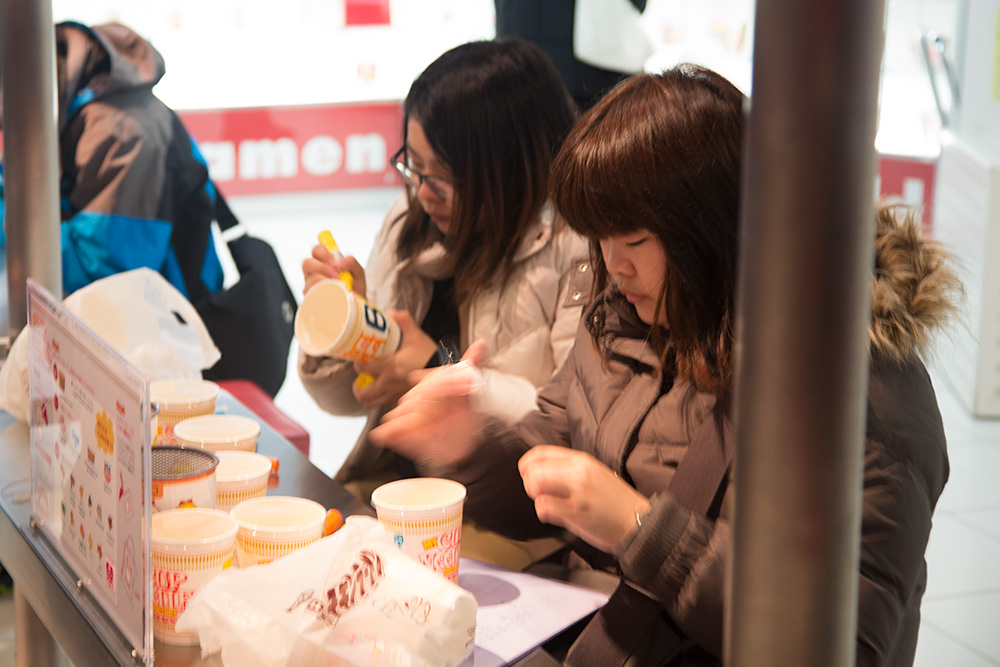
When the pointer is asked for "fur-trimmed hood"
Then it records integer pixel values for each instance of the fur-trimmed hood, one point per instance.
(914, 290)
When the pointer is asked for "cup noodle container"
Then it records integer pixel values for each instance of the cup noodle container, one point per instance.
(179, 400)
(333, 321)
(240, 476)
(275, 526)
(424, 515)
(189, 547)
(183, 477)
(218, 433)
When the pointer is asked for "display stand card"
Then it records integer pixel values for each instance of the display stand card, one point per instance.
(89, 413)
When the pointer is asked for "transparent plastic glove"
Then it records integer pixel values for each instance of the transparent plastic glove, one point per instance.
(437, 422)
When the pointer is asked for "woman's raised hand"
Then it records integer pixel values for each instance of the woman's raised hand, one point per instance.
(322, 265)
(574, 490)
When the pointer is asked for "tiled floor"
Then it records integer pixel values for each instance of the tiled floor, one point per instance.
(961, 609)
(962, 605)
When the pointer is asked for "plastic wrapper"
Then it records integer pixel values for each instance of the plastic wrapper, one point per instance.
(352, 598)
(136, 312)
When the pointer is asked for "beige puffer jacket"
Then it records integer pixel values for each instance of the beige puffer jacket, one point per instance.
(628, 416)
(528, 326)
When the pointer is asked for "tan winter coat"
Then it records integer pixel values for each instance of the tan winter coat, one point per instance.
(528, 325)
(629, 418)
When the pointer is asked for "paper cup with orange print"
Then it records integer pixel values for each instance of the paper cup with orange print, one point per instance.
(333, 321)
(240, 476)
(189, 548)
(275, 526)
(424, 516)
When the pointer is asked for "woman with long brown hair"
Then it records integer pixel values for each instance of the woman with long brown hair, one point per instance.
(471, 249)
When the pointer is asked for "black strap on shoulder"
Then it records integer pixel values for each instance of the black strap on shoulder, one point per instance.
(699, 474)
(223, 214)
(618, 628)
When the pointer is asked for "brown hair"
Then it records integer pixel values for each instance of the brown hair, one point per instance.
(662, 152)
(495, 113)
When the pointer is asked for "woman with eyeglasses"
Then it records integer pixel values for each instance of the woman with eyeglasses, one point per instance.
(471, 250)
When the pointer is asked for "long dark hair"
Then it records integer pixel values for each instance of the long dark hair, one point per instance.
(495, 113)
(662, 152)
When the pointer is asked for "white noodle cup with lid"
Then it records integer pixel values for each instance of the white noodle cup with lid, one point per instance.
(218, 433)
(275, 526)
(189, 547)
(240, 476)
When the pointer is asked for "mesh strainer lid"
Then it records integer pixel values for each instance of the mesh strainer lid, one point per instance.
(172, 463)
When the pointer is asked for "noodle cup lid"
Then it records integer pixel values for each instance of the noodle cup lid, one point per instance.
(284, 518)
(192, 530)
(418, 498)
(236, 467)
(217, 429)
(179, 394)
(171, 463)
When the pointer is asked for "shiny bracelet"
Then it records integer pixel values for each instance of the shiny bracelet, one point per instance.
(638, 519)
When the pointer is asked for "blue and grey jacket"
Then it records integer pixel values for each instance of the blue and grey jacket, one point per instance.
(134, 189)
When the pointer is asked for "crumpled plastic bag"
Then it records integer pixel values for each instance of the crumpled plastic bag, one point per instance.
(134, 312)
(352, 598)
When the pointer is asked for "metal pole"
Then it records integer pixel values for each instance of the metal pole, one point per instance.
(31, 217)
(31, 172)
(803, 306)
(33, 645)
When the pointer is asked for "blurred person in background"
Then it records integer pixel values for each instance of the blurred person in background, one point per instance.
(471, 249)
(549, 25)
(135, 192)
(134, 189)
(627, 447)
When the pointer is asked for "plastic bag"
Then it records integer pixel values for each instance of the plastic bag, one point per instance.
(352, 598)
(135, 312)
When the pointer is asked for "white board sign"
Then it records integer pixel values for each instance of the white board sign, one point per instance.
(90, 452)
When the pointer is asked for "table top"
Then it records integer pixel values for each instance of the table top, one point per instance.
(75, 620)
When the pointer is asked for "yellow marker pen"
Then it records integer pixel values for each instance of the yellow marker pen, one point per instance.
(326, 238)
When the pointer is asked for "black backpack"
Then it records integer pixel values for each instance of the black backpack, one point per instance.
(252, 322)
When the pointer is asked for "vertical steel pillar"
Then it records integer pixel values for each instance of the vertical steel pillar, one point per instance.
(31, 172)
(803, 306)
(31, 216)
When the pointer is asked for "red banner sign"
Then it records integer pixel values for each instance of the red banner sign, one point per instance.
(298, 149)
(909, 179)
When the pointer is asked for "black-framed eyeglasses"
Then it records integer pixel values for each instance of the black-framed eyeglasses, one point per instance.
(444, 189)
